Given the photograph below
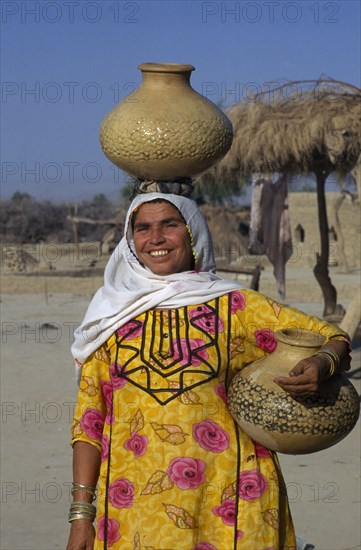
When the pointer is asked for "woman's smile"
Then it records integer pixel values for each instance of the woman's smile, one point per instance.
(158, 252)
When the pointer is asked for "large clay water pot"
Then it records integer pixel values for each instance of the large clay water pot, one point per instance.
(165, 129)
(282, 423)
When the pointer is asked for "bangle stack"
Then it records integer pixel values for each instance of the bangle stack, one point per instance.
(80, 509)
(333, 360)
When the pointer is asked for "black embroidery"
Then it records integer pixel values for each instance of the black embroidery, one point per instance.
(168, 370)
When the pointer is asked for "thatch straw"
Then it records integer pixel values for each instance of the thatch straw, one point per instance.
(317, 130)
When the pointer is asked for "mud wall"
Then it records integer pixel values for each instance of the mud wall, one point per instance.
(303, 213)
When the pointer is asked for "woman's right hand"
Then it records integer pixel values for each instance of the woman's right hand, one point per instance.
(82, 535)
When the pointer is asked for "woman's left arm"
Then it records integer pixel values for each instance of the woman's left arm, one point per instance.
(307, 376)
(260, 317)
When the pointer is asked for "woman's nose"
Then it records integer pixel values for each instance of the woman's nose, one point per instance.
(157, 235)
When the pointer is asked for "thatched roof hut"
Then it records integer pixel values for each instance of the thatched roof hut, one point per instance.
(309, 131)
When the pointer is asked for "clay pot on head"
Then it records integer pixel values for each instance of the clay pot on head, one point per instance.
(285, 424)
(165, 129)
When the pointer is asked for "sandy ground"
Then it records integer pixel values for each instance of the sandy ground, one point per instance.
(38, 397)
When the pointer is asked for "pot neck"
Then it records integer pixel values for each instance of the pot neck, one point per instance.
(166, 75)
(300, 338)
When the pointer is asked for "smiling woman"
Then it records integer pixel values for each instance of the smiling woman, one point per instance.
(161, 239)
(156, 352)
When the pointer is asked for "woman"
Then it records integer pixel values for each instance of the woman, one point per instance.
(155, 353)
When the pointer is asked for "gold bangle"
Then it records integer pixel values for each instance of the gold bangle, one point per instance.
(75, 509)
(74, 490)
(79, 513)
(81, 510)
(332, 354)
(80, 487)
(84, 489)
(82, 507)
(78, 509)
(73, 517)
(331, 360)
(332, 370)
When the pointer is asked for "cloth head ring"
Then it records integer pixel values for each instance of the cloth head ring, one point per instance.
(180, 186)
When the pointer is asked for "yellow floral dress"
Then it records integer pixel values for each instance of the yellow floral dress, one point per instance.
(176, 472)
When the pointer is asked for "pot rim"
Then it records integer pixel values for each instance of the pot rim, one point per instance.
(300, 337)
(166, 67)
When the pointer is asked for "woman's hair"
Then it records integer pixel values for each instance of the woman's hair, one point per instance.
(135, 213)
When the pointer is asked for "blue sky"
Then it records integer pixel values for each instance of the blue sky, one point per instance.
(65, 64)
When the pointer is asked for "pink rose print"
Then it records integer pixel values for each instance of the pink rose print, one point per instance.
(186, 472)
(92, 422)
(194, 344)
(107, 391)
(221, 392)
(105, 448)
(207, 319)
(121, 493)
(117, 381)
(109, 419)
(137, 443)
(130, 330)
(265, 339)
(239, 534)
(261, 451)
(113, 530)
(238, 301)
(227, 511)
(204, 546)
(210, 436)
(252, 484)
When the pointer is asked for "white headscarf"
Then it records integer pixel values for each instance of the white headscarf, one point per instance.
(131, 289)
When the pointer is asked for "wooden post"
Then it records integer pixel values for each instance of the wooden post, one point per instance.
(75, 233)
(342, 261)
(321, 268)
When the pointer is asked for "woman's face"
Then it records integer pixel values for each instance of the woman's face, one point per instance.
(161, 239)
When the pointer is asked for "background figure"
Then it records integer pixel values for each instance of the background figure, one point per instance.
(270, 228)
